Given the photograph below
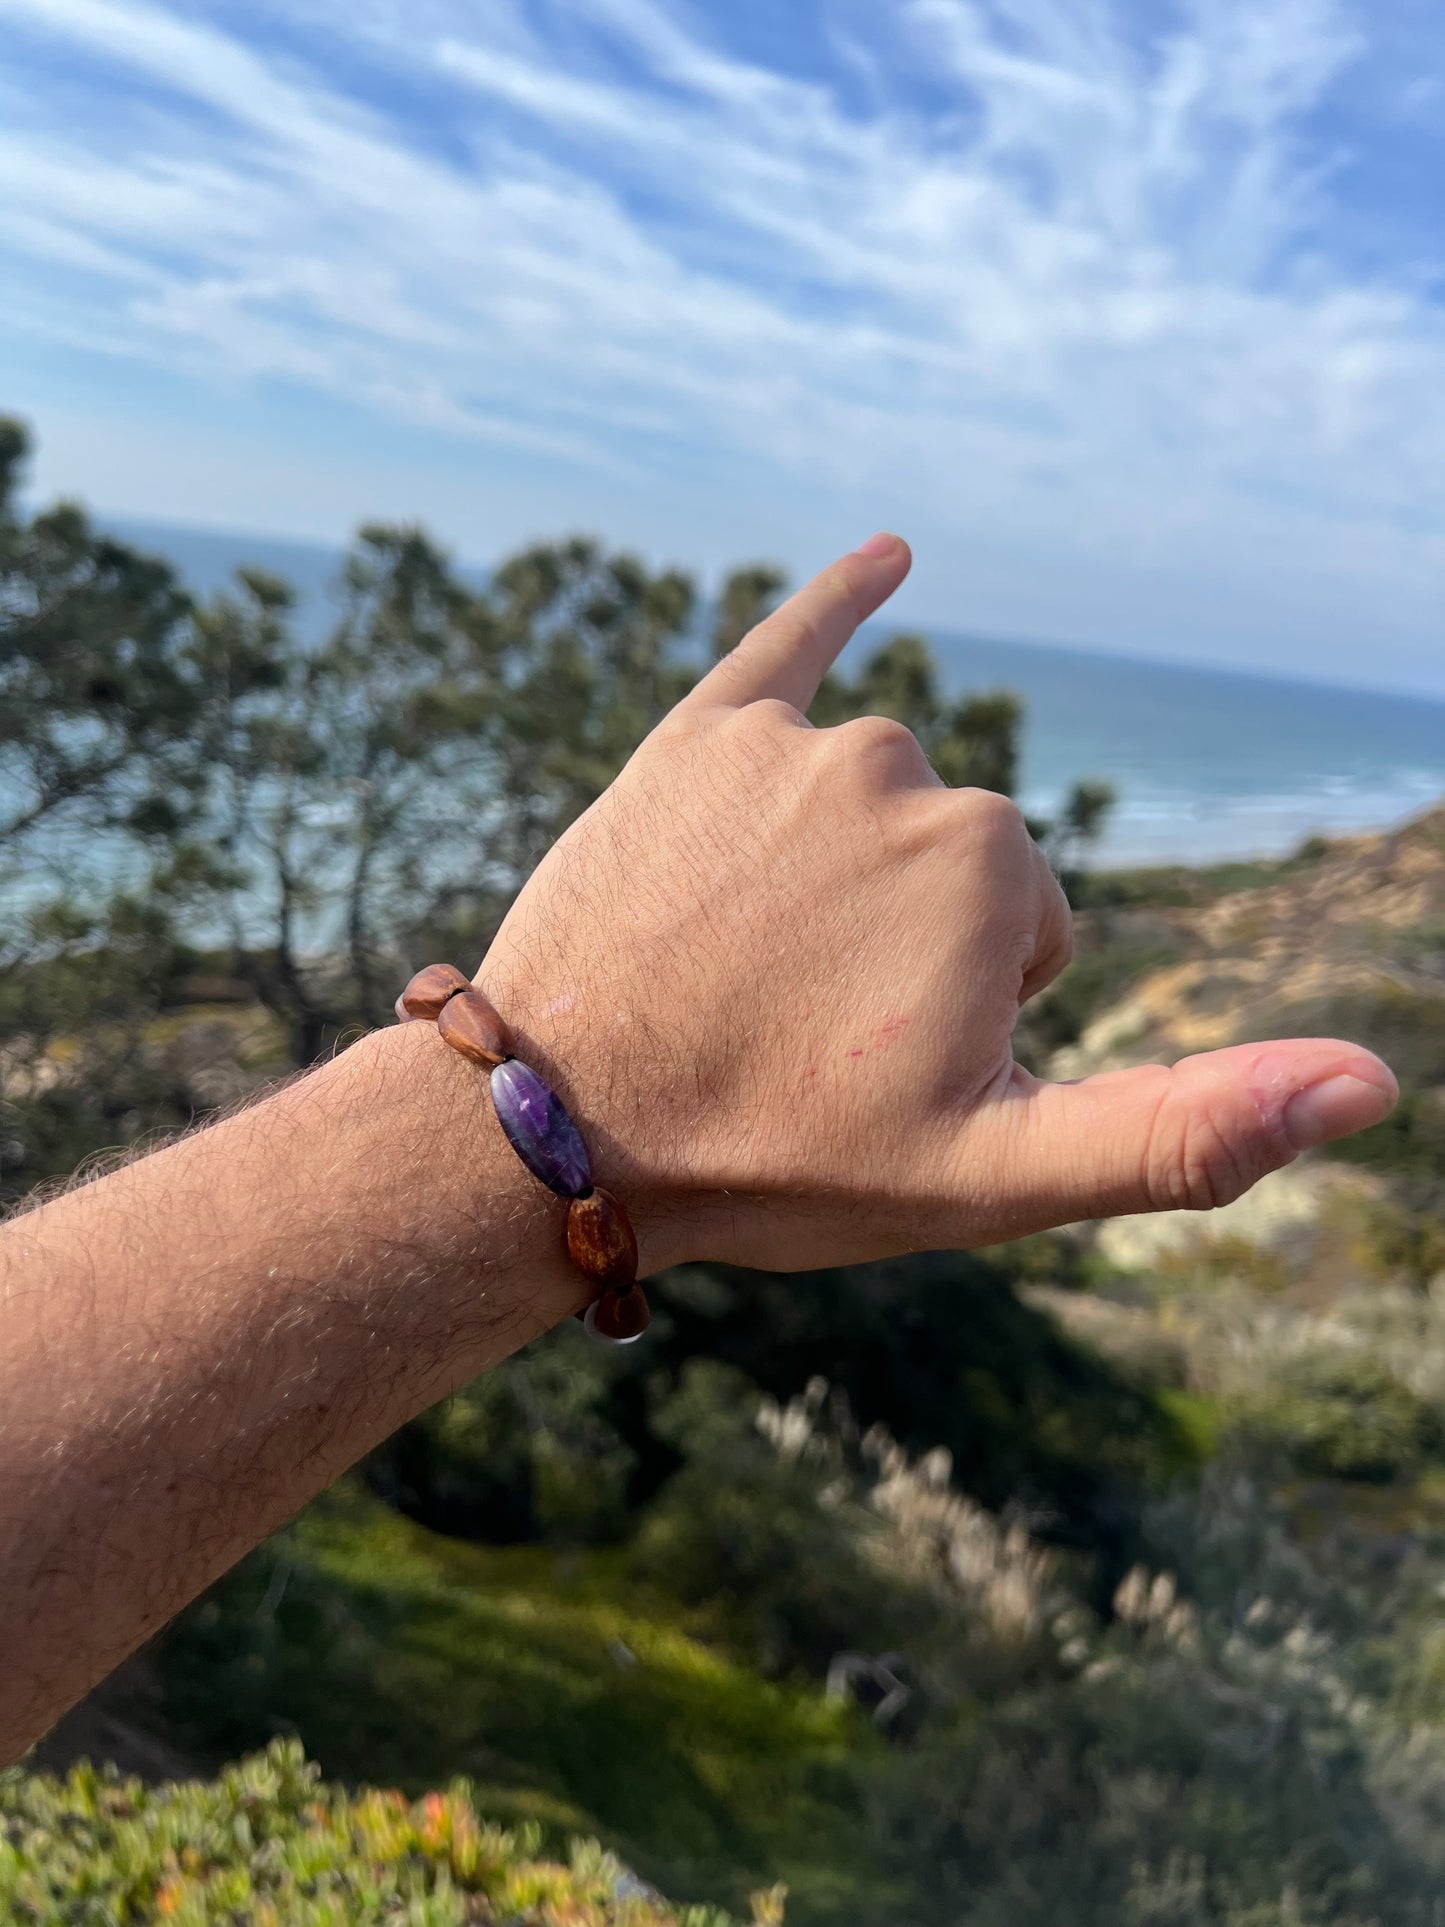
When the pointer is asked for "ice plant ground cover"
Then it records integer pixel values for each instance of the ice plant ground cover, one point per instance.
(269, 1844)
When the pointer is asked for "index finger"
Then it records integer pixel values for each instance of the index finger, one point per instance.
(788, 654)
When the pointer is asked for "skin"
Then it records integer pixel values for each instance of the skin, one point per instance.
(773, 972)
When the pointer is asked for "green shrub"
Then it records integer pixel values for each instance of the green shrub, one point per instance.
(269, 1845)
(1343, 1415)
(528, 1453)
(741, 1536)
(565, 1695)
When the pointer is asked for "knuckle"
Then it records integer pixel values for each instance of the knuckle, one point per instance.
(1193, 1162)
(995, 817)
(879, 738)
(771, 712)
(1050, 954)
(991, 835)
(681, 725)
(1058, 920)
(1063, 946)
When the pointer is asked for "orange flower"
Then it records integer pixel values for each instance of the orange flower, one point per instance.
(169, 1895)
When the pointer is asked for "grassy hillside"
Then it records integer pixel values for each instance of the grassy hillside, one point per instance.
(569, 1696)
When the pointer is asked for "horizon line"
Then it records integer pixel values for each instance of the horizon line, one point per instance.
(316, 546)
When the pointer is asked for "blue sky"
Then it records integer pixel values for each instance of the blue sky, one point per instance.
(1131, 316)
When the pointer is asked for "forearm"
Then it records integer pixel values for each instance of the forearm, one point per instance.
(194, 1346)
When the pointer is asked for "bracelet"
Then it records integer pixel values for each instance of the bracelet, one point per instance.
(600, 1239)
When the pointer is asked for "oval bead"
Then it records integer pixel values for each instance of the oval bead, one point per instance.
(618, 1316)
(600, 1240)
(429, 990)
(470, 1025)
(539, 1129)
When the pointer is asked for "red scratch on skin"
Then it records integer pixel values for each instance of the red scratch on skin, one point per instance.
(893, 1028)
(855, 1053)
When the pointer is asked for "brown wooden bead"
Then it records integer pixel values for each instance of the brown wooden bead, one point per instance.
(600, 1239)
(619, 1315)
(429, 990)
(469, 1024)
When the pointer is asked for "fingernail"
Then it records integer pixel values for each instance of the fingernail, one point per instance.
(877, 546)
(1334, 1108)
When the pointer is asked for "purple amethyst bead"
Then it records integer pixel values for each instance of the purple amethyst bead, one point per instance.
(539, 1129)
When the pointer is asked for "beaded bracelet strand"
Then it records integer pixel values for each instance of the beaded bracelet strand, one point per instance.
(600, 1240)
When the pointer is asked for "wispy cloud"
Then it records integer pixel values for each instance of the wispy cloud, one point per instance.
(1037, 274)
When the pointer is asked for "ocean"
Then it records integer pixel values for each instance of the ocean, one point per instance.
(1207, 763)
(1210, 763)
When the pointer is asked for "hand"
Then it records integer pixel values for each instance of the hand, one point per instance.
(776, 969)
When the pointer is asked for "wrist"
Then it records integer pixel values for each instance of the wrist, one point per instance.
(612, 1075)
(458, 1208)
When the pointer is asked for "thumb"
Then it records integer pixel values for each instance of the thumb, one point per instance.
(1195, 1134)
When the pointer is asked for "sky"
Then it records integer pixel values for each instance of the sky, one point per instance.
(1130, 315)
